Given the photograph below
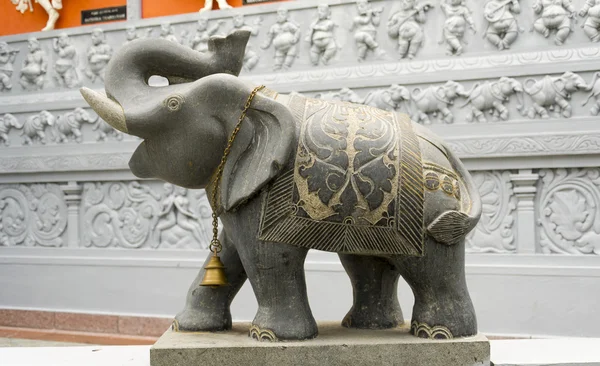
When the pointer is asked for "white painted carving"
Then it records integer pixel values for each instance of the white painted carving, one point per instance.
(251, 57)
(98, 55)
(65, 163)
(321, 37)
(490, 97)
(208, 5)
(553, 93)
(132, 215)
(458, 17)
(203, 33)
(65, 67)
(494, 232)
(106, 131)
(8, 122)
(34, 127)
(131, 33)
(569, 211)
(591, 25)
(50, 6)
(34, 67)
(594, 93)
(7, 59)
(68, 125)
(284, 36)
(389, 99)
(405, 26)
(32, 215)
(435, 100)
(554, 15)
(365, 26)
(503, 28)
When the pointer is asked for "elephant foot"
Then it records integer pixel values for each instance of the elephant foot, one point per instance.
(192, 320)
(372, 318)
(444, 319)
(283, 326)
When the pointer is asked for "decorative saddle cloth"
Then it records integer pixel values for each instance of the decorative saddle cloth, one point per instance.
(356, 186)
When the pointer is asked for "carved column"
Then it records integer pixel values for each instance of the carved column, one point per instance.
(134, 9)
(524, 184)
(72, 193)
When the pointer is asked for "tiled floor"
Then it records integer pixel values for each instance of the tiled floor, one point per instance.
(15, 342)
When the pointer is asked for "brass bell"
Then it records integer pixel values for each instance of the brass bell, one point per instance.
(215, 273)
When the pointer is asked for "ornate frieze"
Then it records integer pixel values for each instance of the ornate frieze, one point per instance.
(32, 215)
(569, 211)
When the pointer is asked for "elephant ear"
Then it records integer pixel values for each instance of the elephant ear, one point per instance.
(260, 151)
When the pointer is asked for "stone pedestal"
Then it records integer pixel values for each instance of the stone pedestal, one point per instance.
(334, 346)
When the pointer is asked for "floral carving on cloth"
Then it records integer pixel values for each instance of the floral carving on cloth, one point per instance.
(357, 184)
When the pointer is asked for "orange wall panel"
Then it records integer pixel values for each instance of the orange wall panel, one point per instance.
(13, 22)
(159, 8)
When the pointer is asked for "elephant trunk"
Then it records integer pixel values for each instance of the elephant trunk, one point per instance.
(131, 67)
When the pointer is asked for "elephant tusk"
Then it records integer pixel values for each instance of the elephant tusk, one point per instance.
(109, 110)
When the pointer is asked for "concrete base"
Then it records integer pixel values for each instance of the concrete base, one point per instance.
(335, 345)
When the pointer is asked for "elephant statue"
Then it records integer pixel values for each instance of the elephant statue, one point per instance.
(34, 127)
(69, 124)
(389, 99)
(552, 91)
(436, 99)
(385, 193)
(7, 122)
(491, 97)
(594, 87)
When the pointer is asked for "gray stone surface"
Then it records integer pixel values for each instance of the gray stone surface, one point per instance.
(335, 345)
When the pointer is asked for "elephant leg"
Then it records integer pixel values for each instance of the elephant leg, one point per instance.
(443, 307)
(540, 110)
(478, 114)
(595, 109)
(501, 110)
(375, 288)
(566, 109)
(448, 117)
(207, 308)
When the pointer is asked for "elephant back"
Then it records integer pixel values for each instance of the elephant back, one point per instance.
(356, 185)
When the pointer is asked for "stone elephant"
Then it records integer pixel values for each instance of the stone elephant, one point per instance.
(68, 125)
(553, 91)
(436, 99)
(7, 122)
(491, 97)
(594, 87)
(389, 99)
(34, 127)
(287, 187)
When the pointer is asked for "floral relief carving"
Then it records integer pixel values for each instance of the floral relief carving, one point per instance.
(494, 232)
(569, 211)
(133, 215)
(32, 215)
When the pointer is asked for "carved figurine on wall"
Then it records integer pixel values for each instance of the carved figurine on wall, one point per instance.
(50, 6)
(594, 88)
(389, 99)
(34, 127)
(68, 125)
(458, 16)
(405, 26)
(34, 67)
(386, 194)
(554, 15)
(503, 28)
(176, 221)
(490, 97)
(8, 122)
(105, 131)
(132, 33)
(365, 26)
(321, 37)
(168, 32)
(553, 92)
(251, 57)
(65, 67)
(98, 55)
(591, 26)
(208, 5)
(203, 33)
(7, 59)
(436, 100)
(284, 36)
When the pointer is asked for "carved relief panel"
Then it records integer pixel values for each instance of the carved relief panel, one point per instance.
(569, 211)
(32, 215)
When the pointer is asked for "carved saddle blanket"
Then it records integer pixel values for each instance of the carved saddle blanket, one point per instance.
(356, 185)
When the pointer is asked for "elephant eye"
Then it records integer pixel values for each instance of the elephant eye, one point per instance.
(174, 102)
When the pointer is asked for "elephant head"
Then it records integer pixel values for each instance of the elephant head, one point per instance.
(398, 93)
(452, 90)
(573, 82)
(186, 124)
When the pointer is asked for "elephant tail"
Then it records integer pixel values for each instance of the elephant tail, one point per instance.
(452, 226)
